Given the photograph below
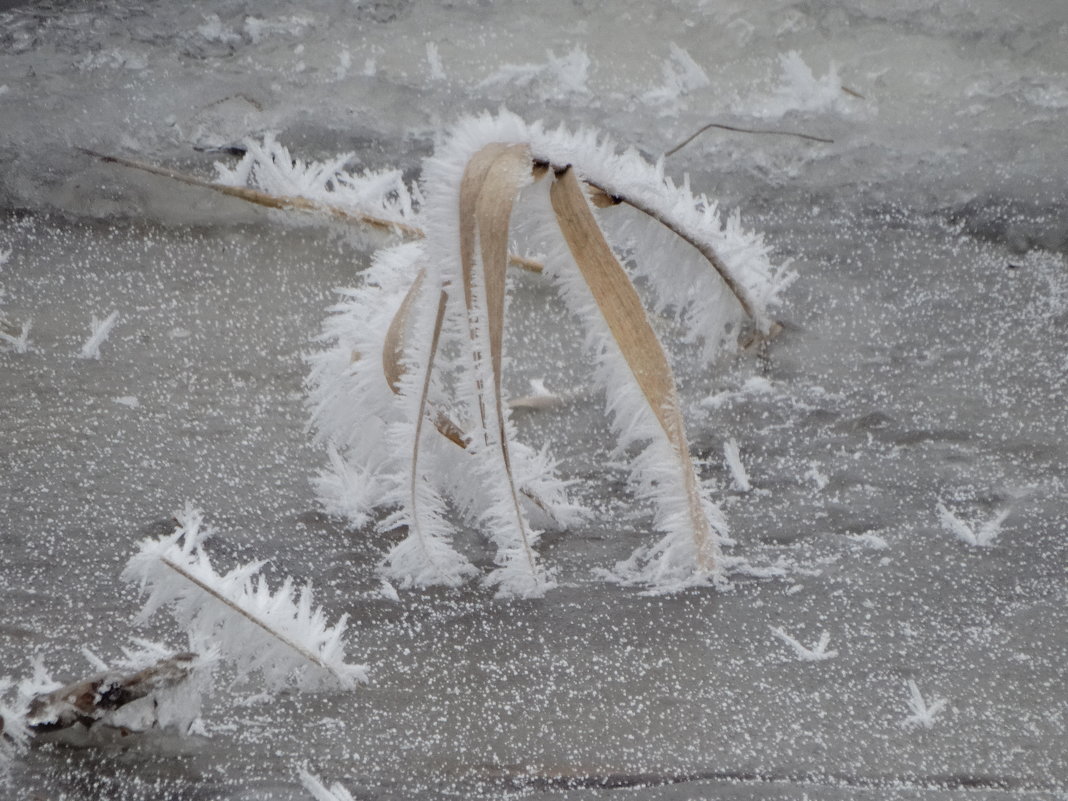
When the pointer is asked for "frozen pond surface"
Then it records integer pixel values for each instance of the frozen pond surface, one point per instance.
(923, 362)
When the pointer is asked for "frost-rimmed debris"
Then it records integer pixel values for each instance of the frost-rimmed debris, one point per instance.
(681, 74)
(733, 457)
(817, 653)
(17, 342)
(319, 791)
(981, 537)
(14, 734)
(558, 75)
(923, 714)
(99, 331)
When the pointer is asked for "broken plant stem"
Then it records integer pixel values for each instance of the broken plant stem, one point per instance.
(89, 700)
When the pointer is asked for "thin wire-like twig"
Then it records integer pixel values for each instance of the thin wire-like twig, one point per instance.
(736, 129)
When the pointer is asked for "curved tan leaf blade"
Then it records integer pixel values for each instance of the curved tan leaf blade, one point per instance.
(625, 316)
(393, 349)
(490, 183)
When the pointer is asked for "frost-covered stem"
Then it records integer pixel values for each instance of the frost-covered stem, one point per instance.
(263, 198)
(435, 340)
(304, 652)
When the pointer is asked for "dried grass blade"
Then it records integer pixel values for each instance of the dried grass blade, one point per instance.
(493, 212)
(424, 399)
(490, 183)
(393, 348)
(625, 316)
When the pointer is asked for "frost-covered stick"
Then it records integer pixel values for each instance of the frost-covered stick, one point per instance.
(236, 612)
(91, 699)
(304, 652)
(262, 198)
(100, 331)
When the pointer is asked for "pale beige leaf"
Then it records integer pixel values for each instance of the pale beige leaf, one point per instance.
(424, 399)
(622, 309)
(393, 349)
(490, 183)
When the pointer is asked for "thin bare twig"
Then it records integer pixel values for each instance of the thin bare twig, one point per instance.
(736, 129)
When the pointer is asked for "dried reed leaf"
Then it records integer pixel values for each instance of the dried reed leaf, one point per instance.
(625, 316)
(424, 399)
(393, 348)
(490, 183)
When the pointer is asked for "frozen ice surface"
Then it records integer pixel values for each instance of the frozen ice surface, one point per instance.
(922, 362)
